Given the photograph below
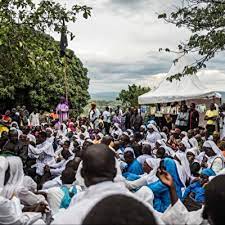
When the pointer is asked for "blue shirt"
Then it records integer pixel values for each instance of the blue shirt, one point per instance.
(197, 190)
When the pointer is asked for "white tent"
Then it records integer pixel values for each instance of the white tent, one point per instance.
(188, 87)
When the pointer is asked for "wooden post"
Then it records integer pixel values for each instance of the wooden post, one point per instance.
(65, 78)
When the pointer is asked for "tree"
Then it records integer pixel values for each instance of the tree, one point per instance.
(31, 69)
(205, 19)
(129, 97)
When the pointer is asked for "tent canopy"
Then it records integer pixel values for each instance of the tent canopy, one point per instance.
(188, 87)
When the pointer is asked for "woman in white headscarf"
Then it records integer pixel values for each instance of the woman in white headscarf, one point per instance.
(14, 125)
(185, 140)
(10, 209)
(184, 167)
(150, 168)
(15, 184)
(116, 131)
(153, 134)
(215, 158)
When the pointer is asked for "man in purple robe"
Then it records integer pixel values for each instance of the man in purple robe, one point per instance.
(62, 109)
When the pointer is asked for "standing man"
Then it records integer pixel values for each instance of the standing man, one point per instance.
(211, 117)
(107, 120)
(94, 114)
(34, 118)
(127, 116)
(62, 110)
(193, 117)
(136, 120)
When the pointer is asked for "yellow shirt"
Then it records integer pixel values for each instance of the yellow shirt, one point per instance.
(211, 113)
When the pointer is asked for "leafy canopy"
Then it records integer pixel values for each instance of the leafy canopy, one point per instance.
(31, 71)
(205, 19)
(129, 97)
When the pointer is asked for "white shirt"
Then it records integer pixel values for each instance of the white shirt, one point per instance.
(31, 138)
(178, 214)
(11, 213)
(106, 117)
(83, 202)
(55, 196)
(34, 119)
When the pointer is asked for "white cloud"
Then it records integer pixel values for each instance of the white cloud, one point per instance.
(119, 43)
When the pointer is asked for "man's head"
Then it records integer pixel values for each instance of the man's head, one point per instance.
(214, 199)
(42, 136)
(66, 145)
(192, 106)
(23, 138)
(107, 109)
(68, 176)
(66, 154)
(129, 157)
(124, 140)
(13, 135)
(107, 140)
(183, 108)
(93, 105)
(190, 134)
(212, 106)
(182, 147)
(161, 152)
(146, 149)
(119, 210)
(98, 165)
(62, 99)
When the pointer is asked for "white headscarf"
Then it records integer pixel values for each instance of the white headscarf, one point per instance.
(129, 149)
(164, 136)
(3, 167)
(16, 176)
(213, 146)
(194, 151)
(184, 164)
(154, 164)
(153, 127)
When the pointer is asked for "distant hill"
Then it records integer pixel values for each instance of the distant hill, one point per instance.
(107, 96)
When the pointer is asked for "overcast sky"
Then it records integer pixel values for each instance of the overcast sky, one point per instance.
(119, 43)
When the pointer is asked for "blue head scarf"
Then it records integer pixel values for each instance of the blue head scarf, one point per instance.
(171, 168)
(208, 172)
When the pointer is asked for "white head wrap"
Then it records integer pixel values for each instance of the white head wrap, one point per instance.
(153, 127)
(3, 167)
(213, 146)
(129, 149)
(16, 176)
(193, 151)
(153, 163)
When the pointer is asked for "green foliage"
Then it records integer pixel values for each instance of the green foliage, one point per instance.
(31, 71)
(205, 19)
(129, 98)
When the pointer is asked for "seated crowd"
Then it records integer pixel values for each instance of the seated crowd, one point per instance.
(75, 173)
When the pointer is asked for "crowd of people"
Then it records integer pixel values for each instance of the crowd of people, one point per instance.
(111, 167)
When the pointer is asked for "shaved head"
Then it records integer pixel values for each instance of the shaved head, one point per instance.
(98, 165)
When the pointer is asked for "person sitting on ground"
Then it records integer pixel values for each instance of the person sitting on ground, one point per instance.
(212, 212)
(60, 197)
(133, 166)
(57, 168)
(146, 153)
(98, 171)
(194, 195)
